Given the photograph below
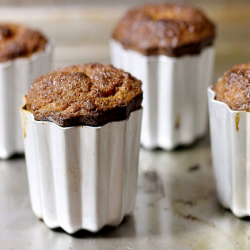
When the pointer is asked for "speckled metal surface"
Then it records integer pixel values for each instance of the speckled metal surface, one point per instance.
(176, 208)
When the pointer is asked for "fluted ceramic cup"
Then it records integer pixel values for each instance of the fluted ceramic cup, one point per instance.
(230, 143)
(174, 94)
(82, 177)
(16, 76)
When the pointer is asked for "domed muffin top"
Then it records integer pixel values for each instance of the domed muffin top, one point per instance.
(234, 88)
(88, 94)
(18, 41)
(167, 29)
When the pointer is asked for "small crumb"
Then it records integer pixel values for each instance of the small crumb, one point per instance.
(193, 168)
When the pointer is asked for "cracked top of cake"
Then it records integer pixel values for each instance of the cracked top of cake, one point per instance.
(88, 94)
(19, 41)
(166, 29)
(233, 88)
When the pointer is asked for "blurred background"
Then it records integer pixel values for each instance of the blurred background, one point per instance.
(81, 29)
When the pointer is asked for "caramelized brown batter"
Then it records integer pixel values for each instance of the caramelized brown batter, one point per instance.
(18, 41)
(172, 30)
(234, 88)
(89, 94)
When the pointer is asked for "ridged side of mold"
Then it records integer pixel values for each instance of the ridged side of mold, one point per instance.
(230, 142)
(16, 76)
(174, 94)
(82, 177)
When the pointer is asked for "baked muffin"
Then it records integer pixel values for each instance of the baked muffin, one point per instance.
(19, 41)
(89, 94)
(229, 130)
(166, 29)
(25, 54)
(170, 48)
(83, 176)
(234, 89)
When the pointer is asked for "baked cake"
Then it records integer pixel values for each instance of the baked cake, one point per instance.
(88, 94)
(166, 29)
(19, 41)
(234, 88)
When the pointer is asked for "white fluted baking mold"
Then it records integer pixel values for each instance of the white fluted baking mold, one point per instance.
(16, 76)
(230, 143)
(174, 94)
(82, 177)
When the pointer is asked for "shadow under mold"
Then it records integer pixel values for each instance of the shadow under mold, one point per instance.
(14, 157)
(200, 142)
(125, 229)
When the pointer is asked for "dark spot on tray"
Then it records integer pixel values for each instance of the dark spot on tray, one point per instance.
(184, 202)
(191, 217)
(150, 204)
(188, 217)
(151, 176)
(194, 168)
(151, 182)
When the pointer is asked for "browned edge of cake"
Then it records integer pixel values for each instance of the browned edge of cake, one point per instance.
(166, 29)
(88, 94)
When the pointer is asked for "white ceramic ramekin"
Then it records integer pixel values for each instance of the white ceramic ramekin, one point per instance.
(82, 177)
(16, 76)
(174, 94)
(230, 142)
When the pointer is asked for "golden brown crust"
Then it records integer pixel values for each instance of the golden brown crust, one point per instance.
(167, 29)
(234, 88)
(89, 94)
(18, 41)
